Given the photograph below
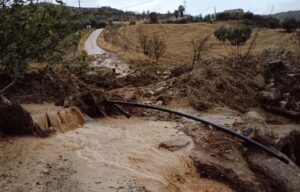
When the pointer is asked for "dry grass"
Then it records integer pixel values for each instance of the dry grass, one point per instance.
(179, 39)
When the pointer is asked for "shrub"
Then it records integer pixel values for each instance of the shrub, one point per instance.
(239, 35)
(235, 35)
(153, 17)
(81, 64)
(132, 23)
(221, 34)
(289, 24)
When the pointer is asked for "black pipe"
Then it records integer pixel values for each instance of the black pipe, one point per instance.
(121, 110)
(276, 154)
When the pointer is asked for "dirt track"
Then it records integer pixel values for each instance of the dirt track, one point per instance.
(105, 155)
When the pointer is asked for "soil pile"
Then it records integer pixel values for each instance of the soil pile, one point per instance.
(223, 83)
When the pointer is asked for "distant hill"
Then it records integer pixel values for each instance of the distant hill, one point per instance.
(281, 16)
(106, 13)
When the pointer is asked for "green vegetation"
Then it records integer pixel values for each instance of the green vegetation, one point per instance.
(236, 35)
(153, 18)
(289, 24)
(29, 31)
(221, 34)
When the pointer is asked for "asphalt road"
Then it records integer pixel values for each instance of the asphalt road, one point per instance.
(91, 46)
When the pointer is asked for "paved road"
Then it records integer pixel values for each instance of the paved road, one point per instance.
(91, 46)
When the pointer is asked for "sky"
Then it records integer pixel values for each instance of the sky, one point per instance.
(194, 7)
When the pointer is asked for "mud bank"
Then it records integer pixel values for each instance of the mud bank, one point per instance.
(50, 119)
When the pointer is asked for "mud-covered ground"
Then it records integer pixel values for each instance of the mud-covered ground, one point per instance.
(146, 153)
(105, 155)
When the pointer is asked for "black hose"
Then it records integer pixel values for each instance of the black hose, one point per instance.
(276, 154)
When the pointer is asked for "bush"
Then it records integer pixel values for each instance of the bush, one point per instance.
(289, 24)
(235, 35)
(153, 17)
(81, 64)
(239, 35)
(132, 23)
(221, 34)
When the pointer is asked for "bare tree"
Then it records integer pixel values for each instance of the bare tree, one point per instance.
(144, 41)
(297, 38)
(158, 47)
(199, 45)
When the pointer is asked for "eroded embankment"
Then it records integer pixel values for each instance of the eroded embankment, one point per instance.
(106, 155)
(49, 118)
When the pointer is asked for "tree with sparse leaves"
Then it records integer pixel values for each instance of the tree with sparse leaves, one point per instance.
(28, 30)
(181, 10)
(289, 24)
(153, 17)
(199, 45)
(157, 47)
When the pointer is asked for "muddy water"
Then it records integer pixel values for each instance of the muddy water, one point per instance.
(105, 155)
(103, 58)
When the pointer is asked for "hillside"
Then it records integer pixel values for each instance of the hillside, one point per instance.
(281, 16)
(179, 37)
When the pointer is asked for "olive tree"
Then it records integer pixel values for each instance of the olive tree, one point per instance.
(236, 35)
(28, 30)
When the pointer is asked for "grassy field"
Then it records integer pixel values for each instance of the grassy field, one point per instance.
(179, 37)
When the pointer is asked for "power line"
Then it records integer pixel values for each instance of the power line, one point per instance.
(138, 4)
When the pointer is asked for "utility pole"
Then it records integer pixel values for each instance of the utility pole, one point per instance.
(80, 14)
(272, 10)
(215, 9)
(184, 5)
(79, 6)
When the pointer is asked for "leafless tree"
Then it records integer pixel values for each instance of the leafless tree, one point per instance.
(297, 38)
(144, 41)
(158, 47)
(199, 45)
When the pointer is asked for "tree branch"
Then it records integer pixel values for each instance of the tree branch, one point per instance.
(16, 76)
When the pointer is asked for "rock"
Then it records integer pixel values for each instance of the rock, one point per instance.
(91, 73)
(147, 102)
(218, 156)
(273, 173)
(158, 90)
(283, 104)
(151, 92)
(255, 116)
(259, 81)
(175, 144)
(166, 73)
(166, 99)
(14, 120)
(159, 103)
(268, 96)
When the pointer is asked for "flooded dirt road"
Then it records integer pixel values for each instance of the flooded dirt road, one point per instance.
(105, 155)
(103, 58)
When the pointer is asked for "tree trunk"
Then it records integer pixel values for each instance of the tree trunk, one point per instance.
(12, 83)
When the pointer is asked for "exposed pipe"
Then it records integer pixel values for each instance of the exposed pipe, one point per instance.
(275, 154)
